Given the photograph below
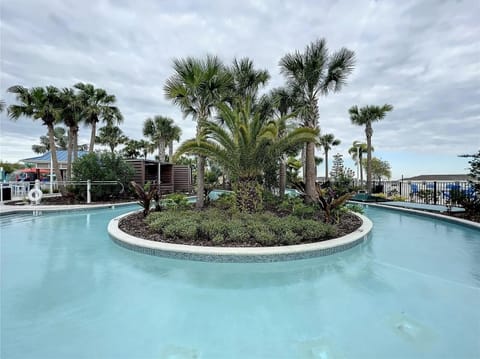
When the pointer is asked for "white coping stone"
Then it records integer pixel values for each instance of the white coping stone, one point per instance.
(121, 236)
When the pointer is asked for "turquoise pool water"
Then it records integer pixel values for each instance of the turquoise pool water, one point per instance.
(67, 291)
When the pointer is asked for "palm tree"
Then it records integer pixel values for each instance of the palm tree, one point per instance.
(196, 86)
(311, 74)
(283, 107)
(364, 117)
(97, 105)
(111, 136)
(326, 142)
(2, 105)
(356, 151)
(239, 146)
(40, 103)
(132, 149)
(72, 115)
(246, 81)
(60, 141)
(159, 130)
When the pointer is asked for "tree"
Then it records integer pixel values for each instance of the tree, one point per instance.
(337, 167)
(60, 141)
(132, 149)
(2, 105)
(97, 105)
(310, 74)
(159, 130)
(240, 146)
(196, 86)
(364, 117)
(380, 169)
(356, 151)
(40, 103)
(326, 142)
(111, 136)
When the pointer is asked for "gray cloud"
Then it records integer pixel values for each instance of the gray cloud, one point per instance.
(420, 56)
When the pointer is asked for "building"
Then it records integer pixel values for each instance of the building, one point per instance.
(45, 161)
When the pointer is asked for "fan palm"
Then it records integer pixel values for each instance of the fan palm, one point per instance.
(364, 117)
(246, 81)
(97, 105)
(174, 136)
(40, 103)
(239, 146)
(159, 130)
(310, 74)
(111, 136)
(326, 142)
(356, 151)
(196, 86)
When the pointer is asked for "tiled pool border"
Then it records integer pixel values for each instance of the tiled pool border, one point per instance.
(235, 254)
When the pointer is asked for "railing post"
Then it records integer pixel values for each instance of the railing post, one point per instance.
(434, 192)
(89, 186)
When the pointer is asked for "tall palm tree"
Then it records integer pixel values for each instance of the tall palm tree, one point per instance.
(356, 151)
(283, 107)
(364, 117)
(159, 130)
(326, 142)
(239, 146)
(40, 103)
(310, 74)
(97, 105)
(246, 81)
(111, 136)
(196, 86)
(72, 116)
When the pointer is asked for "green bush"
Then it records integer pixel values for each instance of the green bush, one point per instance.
(355, 208)
(101, 167)
(175, 201)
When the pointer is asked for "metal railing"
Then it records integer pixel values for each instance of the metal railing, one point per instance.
(427, 192)
(20, 190)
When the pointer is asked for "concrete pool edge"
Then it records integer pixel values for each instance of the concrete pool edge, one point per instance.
(428, 214)
(239, 254)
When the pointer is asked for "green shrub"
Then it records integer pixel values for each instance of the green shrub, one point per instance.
(175, 201)
(355, 208)
(184, 228)
(224, 201)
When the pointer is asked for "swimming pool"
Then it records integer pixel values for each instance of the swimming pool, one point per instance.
(412, 290)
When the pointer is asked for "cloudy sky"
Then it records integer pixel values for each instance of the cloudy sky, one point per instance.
(423, 57)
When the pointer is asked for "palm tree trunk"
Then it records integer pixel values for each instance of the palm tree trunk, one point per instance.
(368, 132)
(304, 162)
(92, 136)
(170, 151)
(69, 153)
(361, 168)
(282, 181)
(159, 173)
(53, 153)
(75, 143)
(200, 181)
(247, 194)
(310, 172)
(161, 150)
(326, 165)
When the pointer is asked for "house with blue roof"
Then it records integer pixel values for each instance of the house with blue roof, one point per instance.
(44, 161)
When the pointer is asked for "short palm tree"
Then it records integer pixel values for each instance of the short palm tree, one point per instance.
(310, 74)
(159, 130)
(364, 117)
(44, 104)
(356, 151)
(196, 86)
(239, 146)
(326, 142)
(97, 105)
(111, 136)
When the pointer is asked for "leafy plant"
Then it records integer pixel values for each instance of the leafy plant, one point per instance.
(145, 195)
(355, 208)
(176, 201)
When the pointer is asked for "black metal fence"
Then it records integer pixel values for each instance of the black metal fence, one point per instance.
(429, 192)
